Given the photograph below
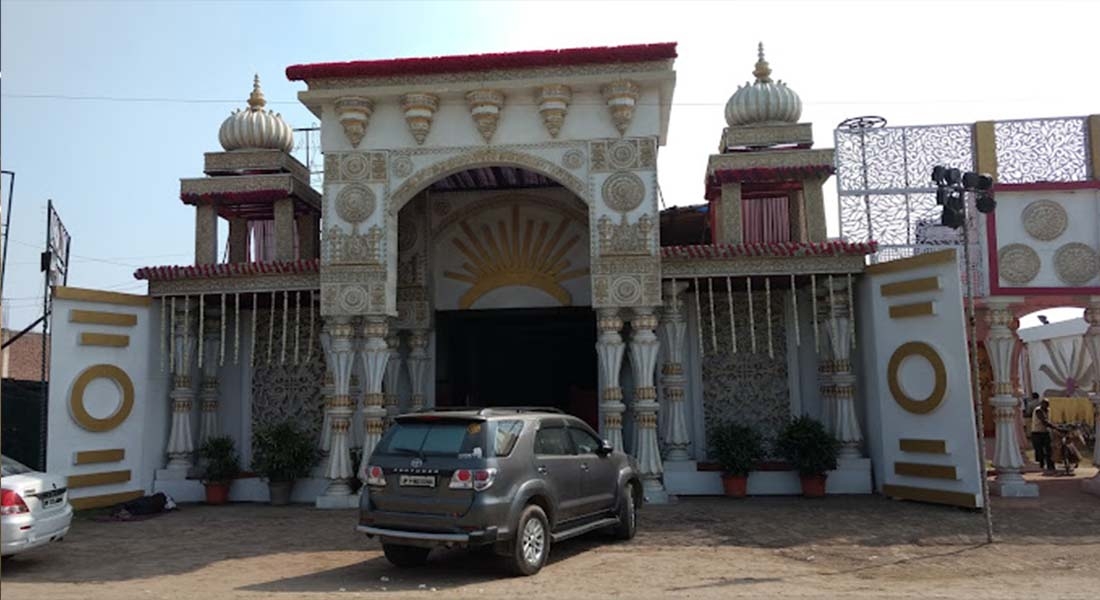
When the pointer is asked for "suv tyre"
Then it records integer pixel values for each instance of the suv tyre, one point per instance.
(406, 556)
(532, 542)
(628, 514)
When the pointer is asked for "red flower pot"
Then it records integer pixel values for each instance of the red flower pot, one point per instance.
(813, 486)
(217, 493)
(736, 486)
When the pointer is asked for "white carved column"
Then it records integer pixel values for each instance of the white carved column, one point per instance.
(1007, 459)
(393, 376)
(181, 443)
(609, 350)
(1092, 345)
(208, 396)
(845, 421)
(375, 354)
(674, 330)
(340, 357)
(328, 391)
(418, 367)
(644, 347)
(825, 361)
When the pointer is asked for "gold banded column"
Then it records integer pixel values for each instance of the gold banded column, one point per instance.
(328, 391)
(375, 354)
(845, 421)
(1007, 459)
(609, 351)
(418, 367)
(644, 347)
(337, 339)
(825, 364)
(181, 445)
(208, 396)
(673, 382)
(393, 376)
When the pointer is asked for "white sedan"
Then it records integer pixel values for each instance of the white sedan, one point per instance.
(34, 508)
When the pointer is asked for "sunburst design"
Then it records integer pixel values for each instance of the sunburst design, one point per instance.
(532, 256)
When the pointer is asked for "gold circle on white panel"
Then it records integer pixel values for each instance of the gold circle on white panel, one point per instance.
(76, 398)
(917, 406)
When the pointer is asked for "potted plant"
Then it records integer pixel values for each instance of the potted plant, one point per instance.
(811, 450)
(737, 448)
(221, 467)
(281, 454)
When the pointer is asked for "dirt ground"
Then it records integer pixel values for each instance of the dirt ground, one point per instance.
(856, 547)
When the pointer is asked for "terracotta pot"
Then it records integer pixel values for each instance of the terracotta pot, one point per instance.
(813, 486)
(736, 486)
(217, 493)
(280, 492)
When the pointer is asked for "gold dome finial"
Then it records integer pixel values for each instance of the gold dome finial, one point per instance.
(256, 98)
(762, 71)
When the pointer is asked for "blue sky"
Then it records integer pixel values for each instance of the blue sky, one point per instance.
(112, 167)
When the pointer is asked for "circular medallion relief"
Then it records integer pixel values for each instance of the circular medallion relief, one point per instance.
(353, 299)
(1044, 220)
(355, 203)
(354, 166)
(1018, 263)
(1076, 263)
(623, 191)
(573, 159)
(406, 234)
(626, 290)
(402, 166)
(622, 154)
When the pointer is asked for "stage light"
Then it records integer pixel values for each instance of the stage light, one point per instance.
(985, 182)
(954, 176)
(985, 203)
(970, 180)
(941, 194)
(938, 173)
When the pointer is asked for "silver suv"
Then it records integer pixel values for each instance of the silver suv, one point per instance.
(509, 480)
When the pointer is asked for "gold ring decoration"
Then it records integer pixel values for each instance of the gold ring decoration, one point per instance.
(939, 389)
(76, 399)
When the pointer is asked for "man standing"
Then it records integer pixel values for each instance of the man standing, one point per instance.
(1040, 436)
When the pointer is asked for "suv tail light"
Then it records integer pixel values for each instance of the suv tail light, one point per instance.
(11, 503)
(375, 476)
(473, 479)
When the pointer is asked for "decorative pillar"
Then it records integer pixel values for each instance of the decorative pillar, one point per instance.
(1007, 459)
(727, 220)
(674, 328)
(238, 240)
(609, 350)
(845, 422)
(328, 391)
(375, 355)
(1092, 344)
(337, 340)
(643, 361)
(813, 205)
(181, 446)
(309, 234)
(206, 234)
(208, 396)
(825, 360)
(393, 376)
(284, 229)
(418, 367)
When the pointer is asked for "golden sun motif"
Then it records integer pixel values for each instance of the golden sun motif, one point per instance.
(530, 256)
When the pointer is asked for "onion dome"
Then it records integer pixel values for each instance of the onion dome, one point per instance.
(256, 128)
(764, 101)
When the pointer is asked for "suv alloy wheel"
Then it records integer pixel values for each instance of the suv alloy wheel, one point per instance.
(532, 544)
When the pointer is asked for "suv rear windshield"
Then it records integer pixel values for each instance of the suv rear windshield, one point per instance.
(434, 438)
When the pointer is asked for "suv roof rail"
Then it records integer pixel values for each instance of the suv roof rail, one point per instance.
(520, 409)
(428, 409)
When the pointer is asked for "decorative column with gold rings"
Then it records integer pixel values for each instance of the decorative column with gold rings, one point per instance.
(609, 350)
(674, 330)
(824, 360)
(393, 376)
(340, 356)
(328, 391)
(1092, 340)
(845, 422)
(181, 444)
(1007, 459)
(375, 354)
(208, 396)
(418, 367)
(644, 347)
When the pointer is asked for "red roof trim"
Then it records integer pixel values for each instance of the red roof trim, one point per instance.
(484, 62)
(720, 251)
(173, 273)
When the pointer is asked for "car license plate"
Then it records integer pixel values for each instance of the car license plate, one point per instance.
(417, 481)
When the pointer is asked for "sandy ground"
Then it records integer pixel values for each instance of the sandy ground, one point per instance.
(856, 547)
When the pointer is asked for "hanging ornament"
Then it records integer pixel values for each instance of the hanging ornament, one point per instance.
(297, 322)
(221, 345)
(172, 335)
(252, 338)
(163, 339)
(698, 319)
(271, 328)
(752, 323)
(851, 314)
(236, 328)
(286, 306)
(713, 330)
(832, 314)
(794, 307)
(768, 312)
(813, 300)
(309, 345)
(186, 334)
(202, 318)
(733, 325)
